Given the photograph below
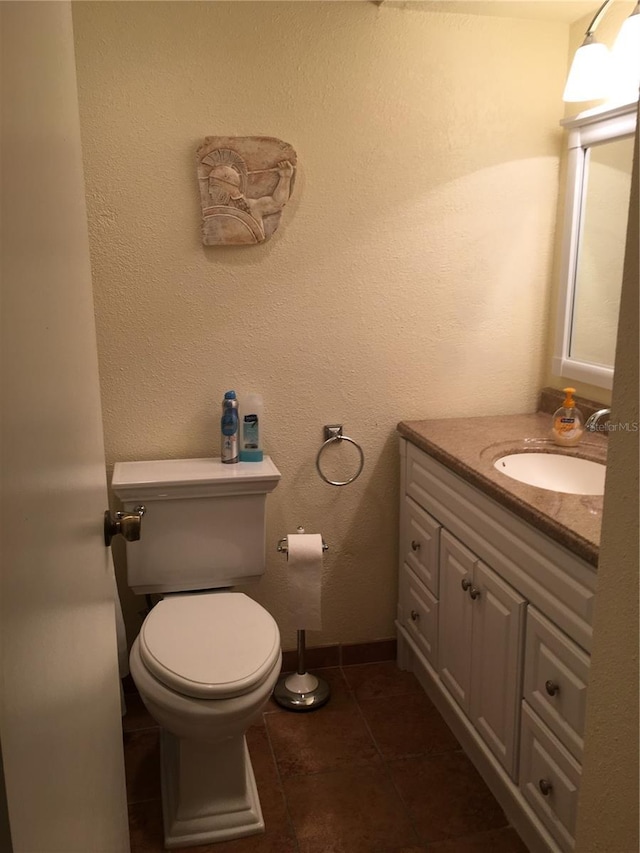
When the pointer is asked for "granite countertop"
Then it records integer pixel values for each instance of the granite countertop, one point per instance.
(470, 446)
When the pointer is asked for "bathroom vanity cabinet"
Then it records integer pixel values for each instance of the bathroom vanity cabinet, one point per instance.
(495, 620)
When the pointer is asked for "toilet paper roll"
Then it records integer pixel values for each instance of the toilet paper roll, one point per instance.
(305, 580)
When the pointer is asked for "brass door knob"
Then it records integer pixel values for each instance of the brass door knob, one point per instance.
(125, 524)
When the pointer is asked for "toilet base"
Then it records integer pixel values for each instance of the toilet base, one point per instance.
(209, 791)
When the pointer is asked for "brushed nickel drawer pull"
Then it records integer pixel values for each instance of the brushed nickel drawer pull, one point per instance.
(551, 687)
(545, 787)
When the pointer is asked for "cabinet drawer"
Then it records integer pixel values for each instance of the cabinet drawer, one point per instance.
(420, 544)
(549, 779)
(555, 681)
(419, 614)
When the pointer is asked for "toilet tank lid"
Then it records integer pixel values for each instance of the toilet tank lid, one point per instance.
(187, 478)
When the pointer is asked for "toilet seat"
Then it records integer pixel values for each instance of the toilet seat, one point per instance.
(210, 646)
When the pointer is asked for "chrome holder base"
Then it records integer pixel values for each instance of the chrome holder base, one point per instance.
(301, 691)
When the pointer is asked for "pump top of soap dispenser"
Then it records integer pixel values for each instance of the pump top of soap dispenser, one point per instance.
(567, 425)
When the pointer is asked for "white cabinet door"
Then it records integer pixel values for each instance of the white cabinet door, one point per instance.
(496, 683)
(454, 636)
(481, 636)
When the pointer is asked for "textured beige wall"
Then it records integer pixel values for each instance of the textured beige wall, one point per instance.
(608, 810)
(410, 276)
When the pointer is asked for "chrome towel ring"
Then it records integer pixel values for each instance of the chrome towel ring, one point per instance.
(332, 433)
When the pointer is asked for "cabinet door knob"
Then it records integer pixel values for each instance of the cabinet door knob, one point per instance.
(474, 592)
(465, 583)
(545, 787)
(551, 687)
(414, 615)
(415, 545)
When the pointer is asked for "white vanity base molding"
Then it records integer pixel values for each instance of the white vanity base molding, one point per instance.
(494, 619)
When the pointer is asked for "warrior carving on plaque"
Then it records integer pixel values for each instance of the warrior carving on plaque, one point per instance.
(242, 200)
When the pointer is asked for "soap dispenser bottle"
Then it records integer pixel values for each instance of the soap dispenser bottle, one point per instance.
(567, 426)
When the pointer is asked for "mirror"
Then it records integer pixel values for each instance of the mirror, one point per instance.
(597, 207)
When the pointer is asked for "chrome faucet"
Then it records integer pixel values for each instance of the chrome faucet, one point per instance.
(592, 421)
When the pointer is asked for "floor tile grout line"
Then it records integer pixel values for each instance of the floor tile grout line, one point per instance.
(387, 761)
(384, 763)
(281, 783)
(387, 771)
(404, 803)
(328, 771)
(452, 838)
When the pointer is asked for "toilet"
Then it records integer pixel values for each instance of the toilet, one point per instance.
(207, 658)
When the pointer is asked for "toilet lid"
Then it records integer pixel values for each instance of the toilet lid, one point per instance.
(210, 646)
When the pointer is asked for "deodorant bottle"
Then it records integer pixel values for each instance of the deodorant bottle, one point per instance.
(251, 427)
(229, 427)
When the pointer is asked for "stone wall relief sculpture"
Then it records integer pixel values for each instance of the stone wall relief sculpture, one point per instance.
(245, 182)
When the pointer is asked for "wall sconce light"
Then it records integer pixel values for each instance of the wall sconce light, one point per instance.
(595, 72)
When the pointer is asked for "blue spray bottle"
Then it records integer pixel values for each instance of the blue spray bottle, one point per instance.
(229, 426)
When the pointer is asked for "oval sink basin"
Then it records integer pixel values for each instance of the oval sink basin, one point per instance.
(555, 472)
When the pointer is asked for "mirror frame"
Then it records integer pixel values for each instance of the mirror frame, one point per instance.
(585, 129)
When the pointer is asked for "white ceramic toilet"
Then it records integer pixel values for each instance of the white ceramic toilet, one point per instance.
(206, 659)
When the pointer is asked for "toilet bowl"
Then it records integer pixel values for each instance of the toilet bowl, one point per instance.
(205, 665)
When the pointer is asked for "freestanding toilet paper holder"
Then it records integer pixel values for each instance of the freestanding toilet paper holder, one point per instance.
(301, 691)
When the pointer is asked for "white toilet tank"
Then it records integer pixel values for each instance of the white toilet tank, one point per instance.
(204, 525)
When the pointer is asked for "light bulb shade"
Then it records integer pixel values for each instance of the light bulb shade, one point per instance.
(590, 75)
(626, 60)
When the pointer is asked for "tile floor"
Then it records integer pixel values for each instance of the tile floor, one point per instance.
(376, 770)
